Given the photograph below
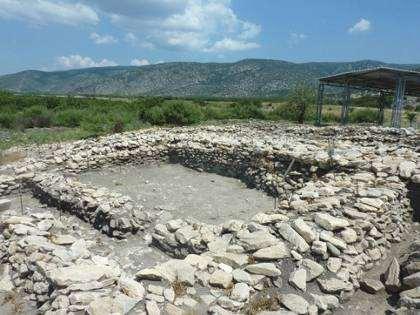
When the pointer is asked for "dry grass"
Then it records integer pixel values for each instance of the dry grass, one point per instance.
(263, 301)
(14, 301)
(179, 288)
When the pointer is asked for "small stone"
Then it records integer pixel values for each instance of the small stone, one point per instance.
(266, 269)
(371, 285)
(290, 235)
(304, 230)
(256, 240)
(5, 204)
(319, 248)
(410, 298)
(392, 276)
(313, 269)
(349, 235)
(171, 309)
(334, 264)
(298, 279)
(240, 292)
(334, 285)
(273, 252)
(329, 222)
(62, 239)
(295, 303)
(241, 276)
(412, 280)
(326, 302)
(221, 279)
(152, 308)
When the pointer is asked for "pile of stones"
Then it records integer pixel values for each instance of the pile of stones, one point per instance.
(342, 203)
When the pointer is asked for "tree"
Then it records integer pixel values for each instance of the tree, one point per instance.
(411, 117)
(300, 98)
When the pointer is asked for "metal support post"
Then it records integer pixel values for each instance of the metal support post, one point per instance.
(345, 106)
(319, 104)
(381, 108)
(398, 103)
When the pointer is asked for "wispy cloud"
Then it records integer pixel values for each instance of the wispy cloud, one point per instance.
(362, 26)
(140, 62)
(187, 25)
(43, 12)
(78, 61)
(103, 39)
(296, 38)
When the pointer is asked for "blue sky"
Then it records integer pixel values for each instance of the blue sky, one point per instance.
(64, 34)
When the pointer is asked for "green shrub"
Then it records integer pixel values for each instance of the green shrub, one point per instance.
(363, 115)
(34, 117)
(69, 118)
(246, 110)
(182, 114)
(154, 115)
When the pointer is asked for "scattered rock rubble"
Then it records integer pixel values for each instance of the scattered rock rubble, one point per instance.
(339, 210)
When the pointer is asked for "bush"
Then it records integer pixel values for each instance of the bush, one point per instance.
(154, 115)
(246, 110)
(182, 114)
(69, 118)
(34, 117)
(363, 115)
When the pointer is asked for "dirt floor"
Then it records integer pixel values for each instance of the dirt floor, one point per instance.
(182, 192)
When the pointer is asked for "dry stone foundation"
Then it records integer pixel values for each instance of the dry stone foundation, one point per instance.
(343, 202)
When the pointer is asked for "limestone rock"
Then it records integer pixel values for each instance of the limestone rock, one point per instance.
(273, 252)
(5, 204)
(371, 285)
(313, 269)
(266, 269)
(256, 240)
(392, 276)
(221, 279)
(329, 222)
(412, 280)
(289, 234)
(304, 230)
(295, 303)
(334, 285)
(298, 279)
(240, 292)
(326, 302)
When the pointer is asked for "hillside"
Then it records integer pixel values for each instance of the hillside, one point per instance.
(246, 78)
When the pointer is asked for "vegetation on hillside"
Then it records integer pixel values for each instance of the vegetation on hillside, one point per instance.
(38, 119)
(245, 78)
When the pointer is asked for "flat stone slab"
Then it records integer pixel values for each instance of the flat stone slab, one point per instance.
(5, 204)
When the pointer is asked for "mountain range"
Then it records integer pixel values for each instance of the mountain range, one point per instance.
(245, 78)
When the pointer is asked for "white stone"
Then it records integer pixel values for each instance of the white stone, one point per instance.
(329, 222)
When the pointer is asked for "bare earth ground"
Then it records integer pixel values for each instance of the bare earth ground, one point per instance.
(182, 192)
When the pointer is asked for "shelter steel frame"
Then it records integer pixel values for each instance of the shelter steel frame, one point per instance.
(359, 80)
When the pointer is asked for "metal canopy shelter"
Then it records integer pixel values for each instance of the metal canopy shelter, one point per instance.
(382, 80)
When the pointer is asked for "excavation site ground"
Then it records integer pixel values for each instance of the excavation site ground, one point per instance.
(246, 218)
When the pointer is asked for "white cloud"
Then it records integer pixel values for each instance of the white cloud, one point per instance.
(296, 38)
(229, 44)
(43, 12)
(362, 26)
(191, 25)
(131, 38)
(77, 61)
(102, 39)
(139, 62)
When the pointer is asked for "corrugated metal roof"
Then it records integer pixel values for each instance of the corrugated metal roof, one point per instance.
(382, 79)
